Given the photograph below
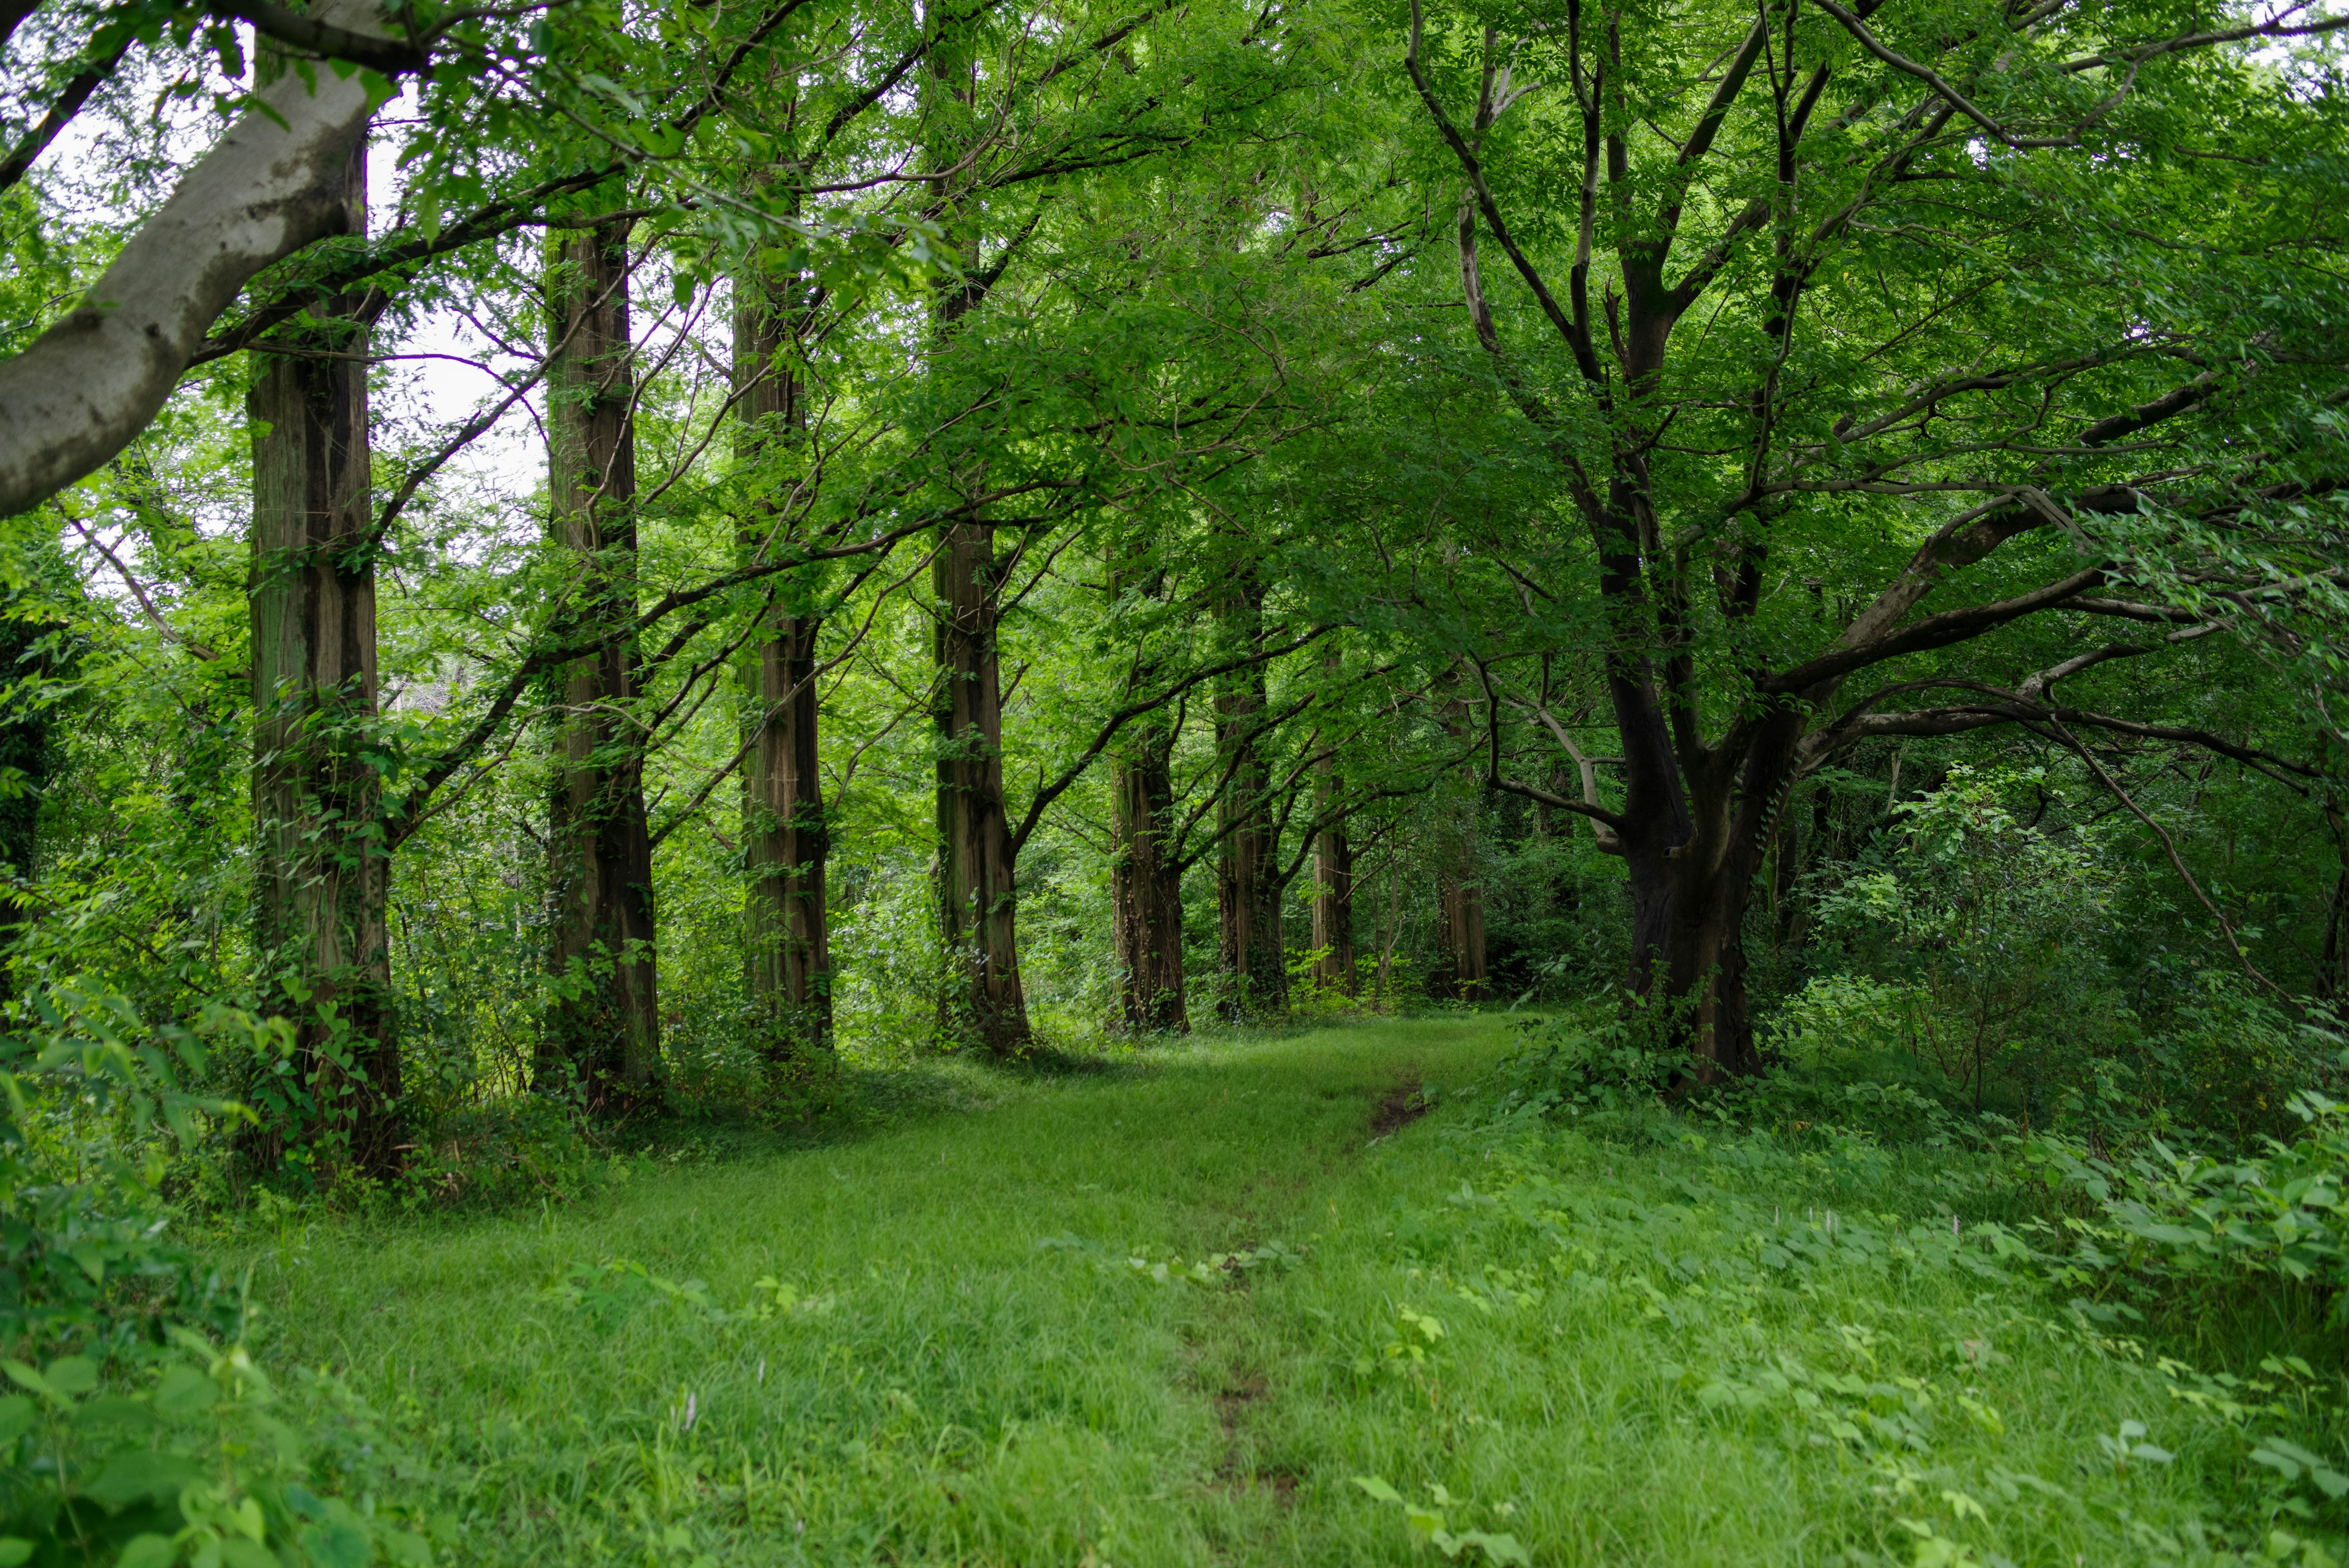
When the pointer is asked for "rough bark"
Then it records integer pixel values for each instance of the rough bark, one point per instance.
(981, 1002)
(1146, 883)
(322, 871)
(1247, 866)
(273, 183)
(785, 837)
(604, 1028)
(1333, 897)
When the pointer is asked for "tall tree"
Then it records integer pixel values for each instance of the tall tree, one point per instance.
(1459, 885)
(604, 1025)
(1333, 890)
(1817, 288)
(1146, 875)
(1248, 878)
(319, 851)
(785, 839)
(981, 1002)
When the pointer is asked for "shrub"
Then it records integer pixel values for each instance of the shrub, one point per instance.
(140, 1432)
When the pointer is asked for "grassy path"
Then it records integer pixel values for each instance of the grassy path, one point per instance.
(1619, 1342)
(946, 1387)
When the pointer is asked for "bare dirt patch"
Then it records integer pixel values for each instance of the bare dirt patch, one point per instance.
(1403, 1106)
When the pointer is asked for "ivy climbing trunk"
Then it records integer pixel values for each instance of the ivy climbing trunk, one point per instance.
(321, 869)
(604, 1027)
(785, 836)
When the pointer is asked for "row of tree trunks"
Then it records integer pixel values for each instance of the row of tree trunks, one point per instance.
(604, 1027)
(322, 874)
(785, 837)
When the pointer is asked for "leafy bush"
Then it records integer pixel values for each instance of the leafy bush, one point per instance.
(2166, 1218)
(142, 1436)
(182, 1462)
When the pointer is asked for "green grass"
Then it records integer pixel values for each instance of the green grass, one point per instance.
(1646, 1352)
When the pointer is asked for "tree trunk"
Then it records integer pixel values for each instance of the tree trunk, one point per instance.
(1247, 868)
(1691, 968)
(1333, 897)
(785, 836)
(319, 906)
(1146, 886)
(1459, 890)
(604, 1026)
(981, 1002)
(1462, 910)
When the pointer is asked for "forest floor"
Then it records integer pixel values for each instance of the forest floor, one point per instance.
(1167, 1310)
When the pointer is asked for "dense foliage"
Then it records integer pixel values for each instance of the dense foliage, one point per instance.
(678, 565)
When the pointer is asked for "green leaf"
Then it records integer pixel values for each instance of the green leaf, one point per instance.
(1377, 1489)
(1497, 1549)
(239, 1552)
(73, 1374)
(136, 1474)
(184, 1392)
(15, 1419)
(2275, 1461)
(335, 1544)
(14, 1550)
(147, 1552)
(114, 1410)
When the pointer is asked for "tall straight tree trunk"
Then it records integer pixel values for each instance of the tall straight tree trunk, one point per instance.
(1459, 891)
(785, 837)
(1462, 910)
(319, 909)
(1247, 868)
(1333, 897)
(604, 1026)
(1146, 883)
(981, 1002)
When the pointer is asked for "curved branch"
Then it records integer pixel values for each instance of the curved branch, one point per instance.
(273, 183)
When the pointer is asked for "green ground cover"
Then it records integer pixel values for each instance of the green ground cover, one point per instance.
(1241, 1304)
